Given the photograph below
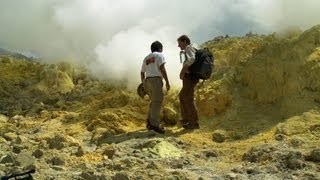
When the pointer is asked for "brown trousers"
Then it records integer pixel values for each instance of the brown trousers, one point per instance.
(153, 87)
(187, 103)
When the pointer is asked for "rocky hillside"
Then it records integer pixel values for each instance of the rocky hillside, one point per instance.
(260, 118)
(16, 55)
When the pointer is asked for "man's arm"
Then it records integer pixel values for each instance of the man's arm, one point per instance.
(164, 75)
(190, 55)
(190, 58)
(142, 75)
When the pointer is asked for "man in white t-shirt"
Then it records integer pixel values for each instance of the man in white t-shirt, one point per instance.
(152, 73)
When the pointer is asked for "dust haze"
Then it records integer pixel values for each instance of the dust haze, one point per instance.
(112, 37)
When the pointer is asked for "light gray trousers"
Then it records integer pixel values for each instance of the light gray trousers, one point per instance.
(153, 87)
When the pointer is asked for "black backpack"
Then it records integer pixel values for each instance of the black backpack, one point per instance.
(203, 65)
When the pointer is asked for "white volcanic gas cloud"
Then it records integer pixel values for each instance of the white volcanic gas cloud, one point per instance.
(113, 36)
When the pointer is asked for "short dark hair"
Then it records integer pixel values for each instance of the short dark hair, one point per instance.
(184, 38)
(156, 46)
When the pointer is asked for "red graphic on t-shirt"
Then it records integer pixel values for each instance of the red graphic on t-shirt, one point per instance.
(150, 60)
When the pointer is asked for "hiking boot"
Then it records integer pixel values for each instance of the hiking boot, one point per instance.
(159, 130)
(191, 126)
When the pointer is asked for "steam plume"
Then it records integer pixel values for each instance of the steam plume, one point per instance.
(113, 36)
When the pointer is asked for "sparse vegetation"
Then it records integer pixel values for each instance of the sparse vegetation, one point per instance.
(259, 118)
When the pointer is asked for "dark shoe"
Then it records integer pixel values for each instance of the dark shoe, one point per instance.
(191, 126)
(159, 130)
(148, 126)
(183, 122)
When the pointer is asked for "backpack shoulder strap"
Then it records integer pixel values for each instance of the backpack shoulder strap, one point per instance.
(193, 47)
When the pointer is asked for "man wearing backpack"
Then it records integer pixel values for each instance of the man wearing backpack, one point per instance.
(186, 96)
(152, 72)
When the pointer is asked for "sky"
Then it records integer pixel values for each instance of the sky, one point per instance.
(111, 37)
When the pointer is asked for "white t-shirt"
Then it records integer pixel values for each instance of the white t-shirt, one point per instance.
(151, 64)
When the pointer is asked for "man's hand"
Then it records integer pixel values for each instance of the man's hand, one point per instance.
(184, 70)
(168, 86)
(182, 75)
